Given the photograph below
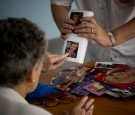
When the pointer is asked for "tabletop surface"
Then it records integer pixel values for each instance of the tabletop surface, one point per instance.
(103, 105)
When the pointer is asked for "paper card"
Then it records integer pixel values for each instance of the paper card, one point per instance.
(80, 91)
(107, 65)
(96, 88)
(132, 87)
(124, 93)
(74, 45)
(112, 94)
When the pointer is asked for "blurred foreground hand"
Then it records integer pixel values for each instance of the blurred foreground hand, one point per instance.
(84, 107)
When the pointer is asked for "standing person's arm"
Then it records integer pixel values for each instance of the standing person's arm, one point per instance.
(125, 32)
(61, 18)
(91, 29)
(60, 14)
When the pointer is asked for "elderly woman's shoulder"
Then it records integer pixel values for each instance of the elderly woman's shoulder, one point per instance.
(33, 110)
(17, 108)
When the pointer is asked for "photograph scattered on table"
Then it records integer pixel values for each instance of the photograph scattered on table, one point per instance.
(96, 87)
(83, 80)
(106, 65)
(66, 80)
(123, 92)
(76, 16)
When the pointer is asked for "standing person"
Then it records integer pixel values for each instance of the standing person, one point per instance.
(113, 16)
(20, 68)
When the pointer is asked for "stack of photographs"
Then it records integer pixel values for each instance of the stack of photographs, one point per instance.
(76, 79)
(71, 80)
(98, 80)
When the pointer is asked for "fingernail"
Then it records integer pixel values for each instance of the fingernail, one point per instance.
(89, 111)
(92, 107)
(92, 99)
(85, 96)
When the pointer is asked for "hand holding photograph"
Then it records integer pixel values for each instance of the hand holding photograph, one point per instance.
(74, 45)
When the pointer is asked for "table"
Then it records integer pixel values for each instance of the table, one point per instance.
(104, 105)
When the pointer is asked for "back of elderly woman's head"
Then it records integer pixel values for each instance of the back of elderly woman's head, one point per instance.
(22, 45)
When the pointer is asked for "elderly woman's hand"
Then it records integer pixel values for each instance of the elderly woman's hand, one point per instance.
(84, 107)
(53, 61)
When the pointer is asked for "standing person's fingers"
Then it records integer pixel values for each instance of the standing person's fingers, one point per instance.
(89, 19)
(67, 28)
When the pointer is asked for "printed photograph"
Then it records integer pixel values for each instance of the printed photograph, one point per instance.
(123, 92)
(67, 80)
(72, 49)
(121, 77)
(107, 65)
(76, 16)
(96, 88)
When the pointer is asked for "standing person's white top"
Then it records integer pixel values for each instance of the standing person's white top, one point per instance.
(109, 14)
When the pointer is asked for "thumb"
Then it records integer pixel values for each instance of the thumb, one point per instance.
(66, 112)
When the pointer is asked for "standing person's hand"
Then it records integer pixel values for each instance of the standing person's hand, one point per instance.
(90, 29)
(68, 27)
(53, 61)
(84, 107)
